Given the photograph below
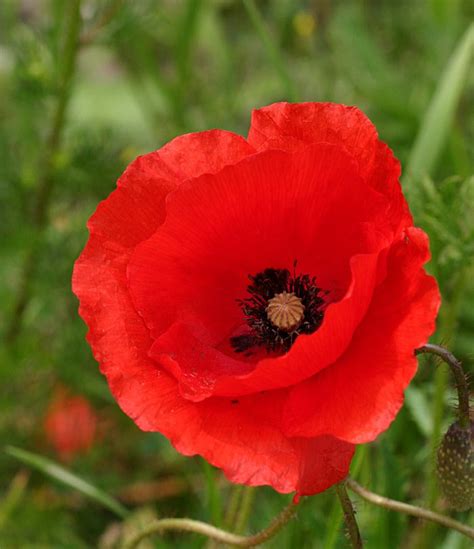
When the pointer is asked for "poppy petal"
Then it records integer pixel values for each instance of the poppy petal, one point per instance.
(311, 354)
(220, 228)
(169, 254)
(288, 126)
(193, 154)
(242, 436)
(358, 396)
(135, 209)
(131, 214)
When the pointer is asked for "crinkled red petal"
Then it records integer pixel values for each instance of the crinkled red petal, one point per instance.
(358, 396)
(191, 262)
(246, 443)
(265, 211)
(288, 126)
(241, 436)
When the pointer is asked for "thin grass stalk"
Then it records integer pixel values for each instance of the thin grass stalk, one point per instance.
(272, 49)
(46, 169)
(213, 494)
(245, 509)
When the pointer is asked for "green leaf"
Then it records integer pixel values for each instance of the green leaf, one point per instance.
(59, 473)
(437, 121)
(420, 409)
(273, 51)
(13, 497)
(185, 37)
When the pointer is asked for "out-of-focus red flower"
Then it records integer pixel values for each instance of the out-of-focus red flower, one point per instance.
(70, 425)
(258, 301)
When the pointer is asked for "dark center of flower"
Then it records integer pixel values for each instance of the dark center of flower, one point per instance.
(279, 308)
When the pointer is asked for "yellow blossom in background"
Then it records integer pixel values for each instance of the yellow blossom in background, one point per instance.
(304, 23)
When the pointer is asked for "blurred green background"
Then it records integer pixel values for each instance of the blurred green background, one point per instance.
(87, 86)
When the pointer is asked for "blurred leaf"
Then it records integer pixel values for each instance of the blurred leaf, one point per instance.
(185, 33)
(13, 497)
(389, 526)
(420, 409)
(445, 9)
(272, 49)
(59, 473)
(455, 540)
(437, 121)
(446, 212)
(213, 494)
(361, 56)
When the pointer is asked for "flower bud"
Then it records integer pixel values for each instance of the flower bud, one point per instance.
(456, 466)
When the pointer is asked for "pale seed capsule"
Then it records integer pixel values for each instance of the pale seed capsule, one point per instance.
(285, 311)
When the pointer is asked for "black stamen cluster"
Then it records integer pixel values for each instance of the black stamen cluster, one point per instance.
(263, 287)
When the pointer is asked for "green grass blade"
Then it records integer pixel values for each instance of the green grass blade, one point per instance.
(59, 473)
(13, 497)
(438, 119)
(185, 38)
(417, 404)
(272, 49)
(213, 494)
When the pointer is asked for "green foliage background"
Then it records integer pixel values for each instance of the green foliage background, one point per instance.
(146, 71)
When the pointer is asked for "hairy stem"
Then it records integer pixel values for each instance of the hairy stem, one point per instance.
(441, 381)
(349, 516)
(189, 525)
(46, 167)
(448, 320)
(459, 376)
(407, 509)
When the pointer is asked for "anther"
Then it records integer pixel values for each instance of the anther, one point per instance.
(285, 311)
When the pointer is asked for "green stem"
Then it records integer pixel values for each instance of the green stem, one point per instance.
(349, 516)
(46, 168)
(411, 510)
(188, 525)
(245, 509)
(213, 494)
(233, 506)
(336, 517)
(105, 18)
(447, 331)
(459, 376)
(185, 35)
(334, 525)
(272, 49)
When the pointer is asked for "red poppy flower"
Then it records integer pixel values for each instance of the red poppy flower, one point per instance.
(259, 301)
(70, 425)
